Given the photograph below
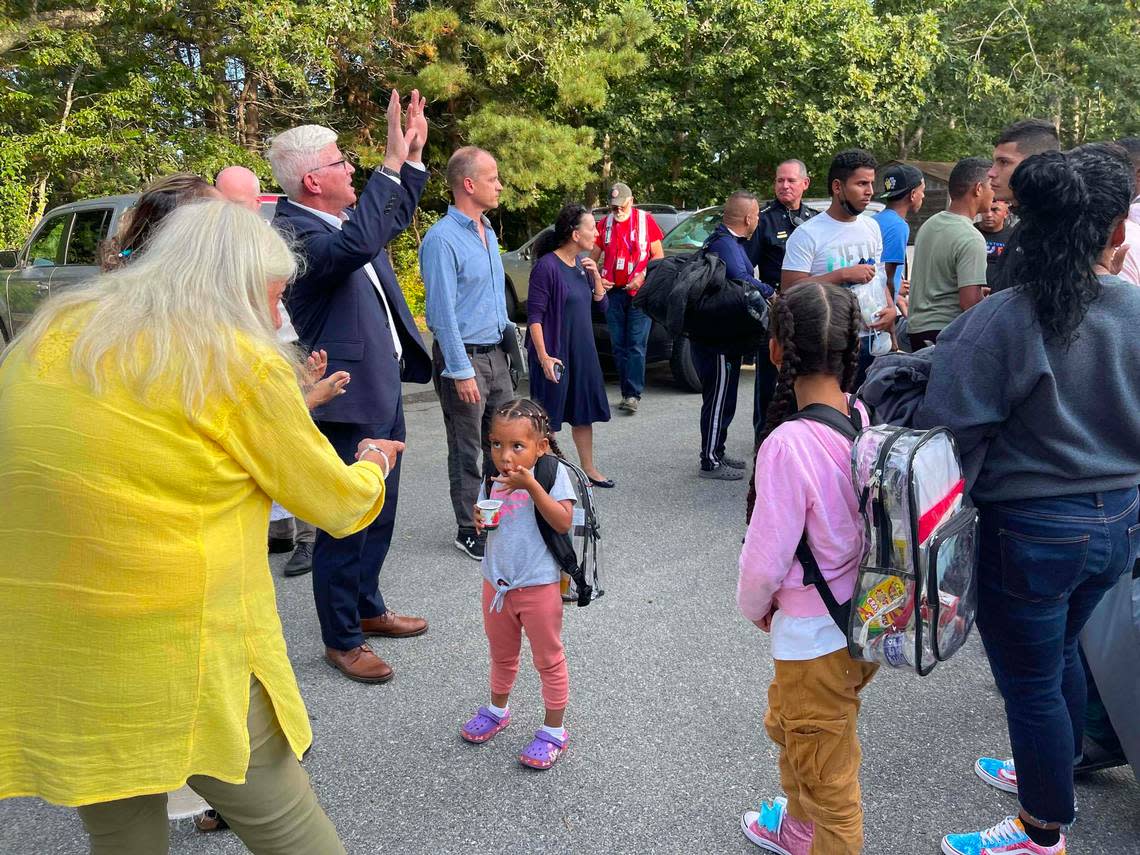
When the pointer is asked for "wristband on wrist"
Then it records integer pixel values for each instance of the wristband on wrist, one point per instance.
(387, 462)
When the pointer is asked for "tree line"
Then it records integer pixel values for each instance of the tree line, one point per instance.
(684, 100)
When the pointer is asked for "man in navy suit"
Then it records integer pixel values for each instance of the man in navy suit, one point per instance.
(348, 303)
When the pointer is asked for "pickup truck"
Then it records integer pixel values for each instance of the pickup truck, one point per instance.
(63, 250)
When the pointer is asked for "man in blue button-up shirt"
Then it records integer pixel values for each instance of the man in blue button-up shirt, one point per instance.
(467, 314)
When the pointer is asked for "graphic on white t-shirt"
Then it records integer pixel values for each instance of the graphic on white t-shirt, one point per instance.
(824, 244)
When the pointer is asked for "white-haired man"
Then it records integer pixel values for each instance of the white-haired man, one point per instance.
(348, 303)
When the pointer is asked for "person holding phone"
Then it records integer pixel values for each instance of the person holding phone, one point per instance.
(565, 374)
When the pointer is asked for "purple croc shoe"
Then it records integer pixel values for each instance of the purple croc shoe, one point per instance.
(544, 750)
(484, 725)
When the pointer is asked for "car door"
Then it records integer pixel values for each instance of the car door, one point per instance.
(85, 239)
(30, 285)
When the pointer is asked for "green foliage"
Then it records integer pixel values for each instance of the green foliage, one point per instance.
(682, 99)
(403, 254)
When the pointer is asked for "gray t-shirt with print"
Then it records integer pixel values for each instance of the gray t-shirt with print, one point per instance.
(516, 552)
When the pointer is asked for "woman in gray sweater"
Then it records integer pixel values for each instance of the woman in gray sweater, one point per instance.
(1040, 382)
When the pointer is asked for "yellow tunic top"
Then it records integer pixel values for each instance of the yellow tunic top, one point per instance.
(137, 598)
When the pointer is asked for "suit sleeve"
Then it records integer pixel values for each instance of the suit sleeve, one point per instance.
(413, 181)
(383, 211)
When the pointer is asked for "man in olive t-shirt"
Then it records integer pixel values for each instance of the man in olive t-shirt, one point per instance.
(949, 269)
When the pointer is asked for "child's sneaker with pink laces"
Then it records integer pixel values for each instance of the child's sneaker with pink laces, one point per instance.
(773, 829)
(1008, 837)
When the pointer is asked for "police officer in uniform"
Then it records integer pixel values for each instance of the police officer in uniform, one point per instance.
(778, 219)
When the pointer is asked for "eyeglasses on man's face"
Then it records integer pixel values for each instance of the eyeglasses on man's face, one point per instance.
(344, 163)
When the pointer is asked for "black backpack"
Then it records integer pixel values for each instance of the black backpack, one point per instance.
(690, 295)
(585, 531)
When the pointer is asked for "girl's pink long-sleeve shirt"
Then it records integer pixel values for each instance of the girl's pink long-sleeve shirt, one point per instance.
(803, 477)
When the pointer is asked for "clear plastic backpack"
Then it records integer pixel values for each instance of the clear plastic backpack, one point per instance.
(916, 595)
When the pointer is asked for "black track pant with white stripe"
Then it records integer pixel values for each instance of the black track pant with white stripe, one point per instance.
(720, 376)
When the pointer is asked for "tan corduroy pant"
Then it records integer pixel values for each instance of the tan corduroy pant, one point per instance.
(275, 811)
(812, 708)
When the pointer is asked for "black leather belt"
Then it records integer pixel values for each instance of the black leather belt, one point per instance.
(482, 348)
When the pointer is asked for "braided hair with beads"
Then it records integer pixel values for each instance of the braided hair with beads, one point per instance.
(817, 327)
(525, 408)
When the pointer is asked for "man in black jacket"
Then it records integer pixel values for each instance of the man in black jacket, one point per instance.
(778, 219)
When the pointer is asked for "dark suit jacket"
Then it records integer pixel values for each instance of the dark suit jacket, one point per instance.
(334, 305)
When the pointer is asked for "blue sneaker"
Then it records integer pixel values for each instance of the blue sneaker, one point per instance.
(997, 773)
(1008, 837)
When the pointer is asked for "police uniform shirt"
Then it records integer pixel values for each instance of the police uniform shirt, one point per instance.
(766, 247)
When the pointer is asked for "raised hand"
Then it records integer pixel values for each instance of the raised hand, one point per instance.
(416, 126)
(396, 149)
(316, 366)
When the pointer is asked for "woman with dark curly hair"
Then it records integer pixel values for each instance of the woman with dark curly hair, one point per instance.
(1038, 383)
(565, 375)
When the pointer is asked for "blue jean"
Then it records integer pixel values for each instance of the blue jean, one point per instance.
(629, 335)
(1044, 565)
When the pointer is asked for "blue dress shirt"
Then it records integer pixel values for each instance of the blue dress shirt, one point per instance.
(465, 284)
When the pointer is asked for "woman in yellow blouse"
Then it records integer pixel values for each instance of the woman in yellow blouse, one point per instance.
(146, 420)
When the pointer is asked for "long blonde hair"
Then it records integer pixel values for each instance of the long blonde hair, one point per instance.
(185, 314)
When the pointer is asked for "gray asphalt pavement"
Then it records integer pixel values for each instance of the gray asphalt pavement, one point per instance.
(668, 687)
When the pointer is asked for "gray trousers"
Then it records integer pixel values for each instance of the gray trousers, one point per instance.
(299, 530)
(468, 426)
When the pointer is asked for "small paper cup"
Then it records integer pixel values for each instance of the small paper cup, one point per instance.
(489, 510)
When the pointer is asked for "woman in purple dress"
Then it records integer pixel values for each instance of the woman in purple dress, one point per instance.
(565, 375)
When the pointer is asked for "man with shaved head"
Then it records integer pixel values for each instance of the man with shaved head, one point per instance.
(240, 185)
(286, 533)
(720, 371)
(466, 311)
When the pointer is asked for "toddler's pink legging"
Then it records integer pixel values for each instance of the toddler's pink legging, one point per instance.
(538, 610)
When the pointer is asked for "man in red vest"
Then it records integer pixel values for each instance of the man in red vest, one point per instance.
(628, 239)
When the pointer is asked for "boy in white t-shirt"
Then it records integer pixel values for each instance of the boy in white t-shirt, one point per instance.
(839, 246)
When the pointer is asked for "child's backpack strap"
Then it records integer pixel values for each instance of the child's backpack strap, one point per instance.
(560, 545)
(849, 427)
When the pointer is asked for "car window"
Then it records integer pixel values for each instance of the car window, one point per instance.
(46, 245)
(694, 231)
(87, 232)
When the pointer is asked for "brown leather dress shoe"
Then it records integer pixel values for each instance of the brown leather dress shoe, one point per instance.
(392, 625)
(360, 664)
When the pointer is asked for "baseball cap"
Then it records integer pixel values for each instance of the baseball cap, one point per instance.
(620, 194)
(898, 180)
